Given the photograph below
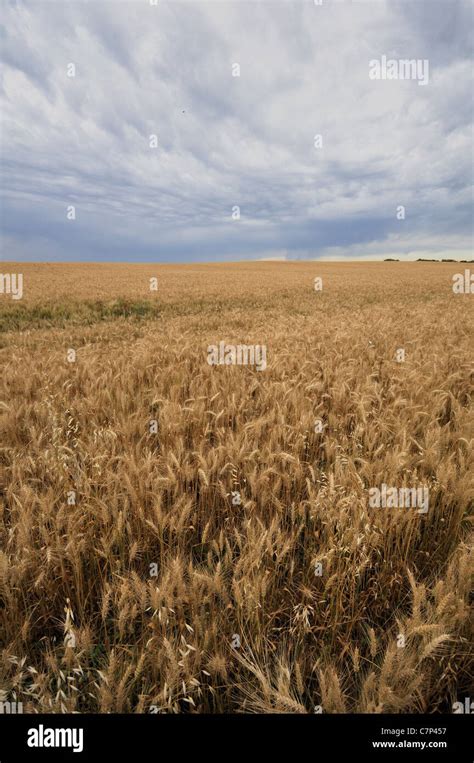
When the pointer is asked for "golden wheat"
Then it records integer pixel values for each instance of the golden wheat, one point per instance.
(179, 537)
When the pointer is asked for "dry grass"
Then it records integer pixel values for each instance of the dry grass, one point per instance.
(307, 641)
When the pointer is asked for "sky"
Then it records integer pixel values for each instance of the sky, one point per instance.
(127, 136)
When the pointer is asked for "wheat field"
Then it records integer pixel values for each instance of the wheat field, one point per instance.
(184, 537)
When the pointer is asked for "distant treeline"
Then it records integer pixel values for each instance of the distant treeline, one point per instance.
(421, 259)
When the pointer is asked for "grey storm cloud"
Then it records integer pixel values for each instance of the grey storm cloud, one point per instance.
(225, 141)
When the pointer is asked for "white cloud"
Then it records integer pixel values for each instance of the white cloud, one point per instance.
(246, 141)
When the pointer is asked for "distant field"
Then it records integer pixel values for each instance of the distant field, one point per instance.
(183, 537)
(56, 294)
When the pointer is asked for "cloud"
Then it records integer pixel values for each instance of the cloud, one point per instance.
(225, 141)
